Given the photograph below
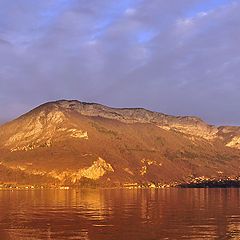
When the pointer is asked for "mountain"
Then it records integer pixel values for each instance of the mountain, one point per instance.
(78, 143)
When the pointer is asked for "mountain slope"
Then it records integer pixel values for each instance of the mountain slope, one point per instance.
(71, 142)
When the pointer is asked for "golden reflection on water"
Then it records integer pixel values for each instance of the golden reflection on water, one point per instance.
(25, 206)
(120, 214)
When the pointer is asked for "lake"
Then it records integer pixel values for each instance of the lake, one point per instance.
(138, 214)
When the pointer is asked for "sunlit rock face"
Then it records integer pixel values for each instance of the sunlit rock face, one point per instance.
(230, 135)
(39, 129)
(95, 171)
(67, 141)
(235, 142)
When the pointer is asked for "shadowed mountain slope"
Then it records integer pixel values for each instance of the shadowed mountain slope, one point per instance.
(72, 142)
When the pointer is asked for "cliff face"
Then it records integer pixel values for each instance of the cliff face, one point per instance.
(68, 141)
(230, 136)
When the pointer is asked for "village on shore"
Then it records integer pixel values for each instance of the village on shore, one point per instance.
(189, 182)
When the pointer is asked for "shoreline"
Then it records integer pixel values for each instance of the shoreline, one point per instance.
(199, 182)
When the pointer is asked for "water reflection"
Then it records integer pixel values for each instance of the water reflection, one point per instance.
(120, 214)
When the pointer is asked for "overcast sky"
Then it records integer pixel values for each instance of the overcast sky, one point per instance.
(179, 57)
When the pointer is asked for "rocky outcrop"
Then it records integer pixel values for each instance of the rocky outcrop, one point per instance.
(94, 172)
(37, 128)
(230, 135)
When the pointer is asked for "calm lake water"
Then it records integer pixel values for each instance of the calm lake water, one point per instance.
(147, 214)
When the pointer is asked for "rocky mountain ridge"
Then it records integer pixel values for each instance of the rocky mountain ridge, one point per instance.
(187, 124)
(192, 125)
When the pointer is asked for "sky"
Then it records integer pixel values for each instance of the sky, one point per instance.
(178, 57)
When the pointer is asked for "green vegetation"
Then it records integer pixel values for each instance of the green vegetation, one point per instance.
(9, 173)
(22, 175)
(161, 141)
(139, 149)
(102, 129)
(221, 158)
(8, 159)
(171, 155)
(87, 182)
(190, 155)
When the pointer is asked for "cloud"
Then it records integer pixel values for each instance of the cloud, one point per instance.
(179, 58)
